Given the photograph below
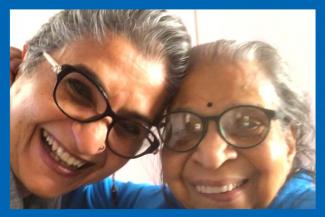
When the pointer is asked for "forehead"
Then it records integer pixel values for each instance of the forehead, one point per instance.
(114, 54)
(225, 83)
(125, 73)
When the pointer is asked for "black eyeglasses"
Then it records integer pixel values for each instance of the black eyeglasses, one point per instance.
(82, 98)
(242, 126)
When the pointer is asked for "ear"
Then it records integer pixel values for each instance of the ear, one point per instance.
(291, 141)
(16, 58)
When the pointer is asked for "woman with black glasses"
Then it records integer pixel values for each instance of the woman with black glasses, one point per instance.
(91, 85)
(238, 135)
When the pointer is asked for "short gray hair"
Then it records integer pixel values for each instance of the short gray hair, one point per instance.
(155, 33)
(294, 102)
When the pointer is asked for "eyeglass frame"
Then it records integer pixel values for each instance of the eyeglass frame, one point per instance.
(65, 69)
(271, 114)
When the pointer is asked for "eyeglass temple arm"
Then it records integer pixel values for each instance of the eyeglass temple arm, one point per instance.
(54, 65)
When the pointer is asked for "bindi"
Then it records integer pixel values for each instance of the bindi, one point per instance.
(209, 104)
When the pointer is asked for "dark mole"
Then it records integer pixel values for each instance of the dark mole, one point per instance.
(209, 104)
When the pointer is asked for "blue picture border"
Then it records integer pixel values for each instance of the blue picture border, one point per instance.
(155, 4)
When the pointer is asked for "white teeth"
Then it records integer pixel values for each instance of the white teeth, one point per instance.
(59, 151)
(55, 146)
(71, 161)
(65, 157)
(216, 189)
(60, 154)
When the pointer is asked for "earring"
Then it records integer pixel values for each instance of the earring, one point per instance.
(114, 191)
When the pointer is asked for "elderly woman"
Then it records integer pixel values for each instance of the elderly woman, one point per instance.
(75, 115)
(238, 135)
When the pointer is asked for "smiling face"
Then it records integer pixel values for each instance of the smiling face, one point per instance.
(247, 178)
(44, 141)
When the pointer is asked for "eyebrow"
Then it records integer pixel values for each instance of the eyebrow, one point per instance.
(123, 113)
(91, 74)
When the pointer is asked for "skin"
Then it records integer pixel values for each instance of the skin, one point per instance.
(127, 78)
(263, 168)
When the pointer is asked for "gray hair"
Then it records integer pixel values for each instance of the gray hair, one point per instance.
(155, 33)
(294, 103)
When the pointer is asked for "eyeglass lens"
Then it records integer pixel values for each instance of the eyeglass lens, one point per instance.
(80, 99)
(242, 127)
(129, 138)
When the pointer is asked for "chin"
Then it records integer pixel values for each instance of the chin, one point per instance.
(45, 191)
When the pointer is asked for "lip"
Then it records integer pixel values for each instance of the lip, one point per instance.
(54, 165)
(224, 197)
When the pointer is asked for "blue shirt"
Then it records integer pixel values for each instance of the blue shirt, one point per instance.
(298, 192)
(129, 196)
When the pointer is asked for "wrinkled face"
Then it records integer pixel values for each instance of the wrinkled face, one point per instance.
(135, 87)
(215, 174)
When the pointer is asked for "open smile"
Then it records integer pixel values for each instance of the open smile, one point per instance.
(59, 154)
(211, 189)
(221, 192)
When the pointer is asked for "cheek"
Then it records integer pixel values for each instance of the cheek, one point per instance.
(30, 105)
(33, 110)
(22, 116)
(271, 168)
(31, 98)
(274, 153)
(174, 167)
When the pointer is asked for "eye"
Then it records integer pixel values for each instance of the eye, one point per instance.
(192, 124)
(79, 92)
(246, 126)
(246, 122)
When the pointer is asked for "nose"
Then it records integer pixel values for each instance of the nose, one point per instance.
(213, 151)
(90, 137)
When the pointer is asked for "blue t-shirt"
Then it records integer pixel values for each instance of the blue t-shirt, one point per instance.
(129, 196)
(298, 192)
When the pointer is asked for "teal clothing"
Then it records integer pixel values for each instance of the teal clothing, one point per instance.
(297, 193)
